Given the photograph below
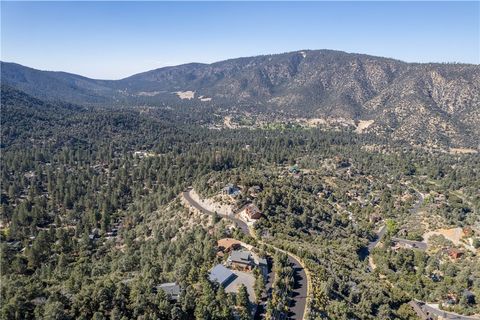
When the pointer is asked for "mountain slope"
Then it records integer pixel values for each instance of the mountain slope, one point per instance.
(434, 104)
(55, 85)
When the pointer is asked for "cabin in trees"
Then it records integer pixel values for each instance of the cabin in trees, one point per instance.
(422, 314)
(454, 253)
(241, 260)
(171, 289)
(253, 191)
(245, 260)
(252, 212)
(231, 190)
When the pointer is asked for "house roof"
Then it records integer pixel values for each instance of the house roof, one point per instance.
(171, 288)
(240, 256)
(220, 274)
(261, 261)
(454, 251)
(253, 207)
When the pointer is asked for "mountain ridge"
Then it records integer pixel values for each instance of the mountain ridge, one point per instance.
(428, 103)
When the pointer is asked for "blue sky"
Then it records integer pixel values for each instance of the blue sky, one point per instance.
(110, 40)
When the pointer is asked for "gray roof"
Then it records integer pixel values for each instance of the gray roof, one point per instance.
(240, 256)
(261, 261)
(220, 274)
(171, 288)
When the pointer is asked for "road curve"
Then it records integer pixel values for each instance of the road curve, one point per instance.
(299, 296)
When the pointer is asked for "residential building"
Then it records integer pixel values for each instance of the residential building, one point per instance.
(231, 190)
(241, 260)
(254, 190)
(455, 253)
(221, 274)
(253, 212)
(172, 289)
(419, 311)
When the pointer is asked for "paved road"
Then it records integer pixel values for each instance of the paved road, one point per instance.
(379, 237)
(262, 307)
(299, 296)
(418, 204)
(432, 310)
(414, 244)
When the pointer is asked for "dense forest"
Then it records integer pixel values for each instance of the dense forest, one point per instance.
(92, 222)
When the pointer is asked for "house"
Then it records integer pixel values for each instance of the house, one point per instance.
(253, 212)
(254, 191)
(241, 260)
(94, 234)
(451, 299)
(228, 244)
(374, 218)
(435, 277)
(231, 190)
(455, 253)
(221, 275)
(39, 300)
(172, 289)
(293, 169)
(469, 296)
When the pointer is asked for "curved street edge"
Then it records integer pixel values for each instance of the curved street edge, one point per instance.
(192, 203)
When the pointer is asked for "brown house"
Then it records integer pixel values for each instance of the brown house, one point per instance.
(455, 253)
(253, 212)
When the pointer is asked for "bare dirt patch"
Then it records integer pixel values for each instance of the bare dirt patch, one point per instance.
(148, 93)
(189, 95)
(454, 234)
(211, 204)
(363, 125)
(462, 151)
(204, 99)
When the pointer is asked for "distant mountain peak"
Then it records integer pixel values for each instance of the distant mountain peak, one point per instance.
(429, 103)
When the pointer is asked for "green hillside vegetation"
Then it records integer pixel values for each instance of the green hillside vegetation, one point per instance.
(92, 222)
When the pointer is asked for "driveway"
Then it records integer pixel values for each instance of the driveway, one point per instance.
(245, 278)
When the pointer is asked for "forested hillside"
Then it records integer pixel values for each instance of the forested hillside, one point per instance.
(92, 220)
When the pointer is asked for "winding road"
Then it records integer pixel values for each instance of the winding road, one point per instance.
(299, 296)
